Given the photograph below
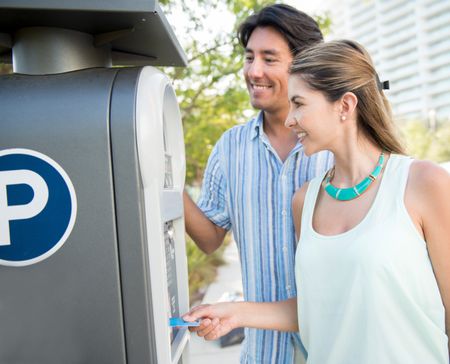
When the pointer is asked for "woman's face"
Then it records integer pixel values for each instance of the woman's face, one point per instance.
(312, 117)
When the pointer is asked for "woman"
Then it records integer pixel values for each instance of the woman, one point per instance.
(373, 257)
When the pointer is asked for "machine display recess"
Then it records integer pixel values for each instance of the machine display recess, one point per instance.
(168, 175)
(169, 241)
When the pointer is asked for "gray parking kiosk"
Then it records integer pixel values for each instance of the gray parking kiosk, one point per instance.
(92, 250)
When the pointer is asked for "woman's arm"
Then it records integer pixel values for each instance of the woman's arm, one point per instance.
(429, 187)
(219, 319)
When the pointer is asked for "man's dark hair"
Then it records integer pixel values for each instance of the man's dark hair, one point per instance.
(299, 29)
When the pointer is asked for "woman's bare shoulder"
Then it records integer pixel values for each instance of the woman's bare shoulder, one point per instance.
(425, 176)
(428, 184)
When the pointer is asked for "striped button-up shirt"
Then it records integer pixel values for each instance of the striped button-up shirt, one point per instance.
(247, 188)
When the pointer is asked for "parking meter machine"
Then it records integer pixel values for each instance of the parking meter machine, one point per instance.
(92, 251)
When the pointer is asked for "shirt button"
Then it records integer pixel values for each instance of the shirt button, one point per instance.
(288, 287)
(285, 249)
(284, 212)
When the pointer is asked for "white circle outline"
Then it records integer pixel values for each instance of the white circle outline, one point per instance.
(73, 213)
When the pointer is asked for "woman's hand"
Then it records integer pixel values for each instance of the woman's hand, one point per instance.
(221, 318)
(217, 320)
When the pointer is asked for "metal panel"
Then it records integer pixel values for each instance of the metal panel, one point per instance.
(152, 259)
(67, 308)
(85, 5)
(140, 37)
(159, 134)
(133, 247)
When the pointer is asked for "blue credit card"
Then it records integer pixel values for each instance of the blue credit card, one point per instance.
(178, 321)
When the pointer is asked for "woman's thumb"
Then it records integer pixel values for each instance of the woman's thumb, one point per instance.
(198, 313)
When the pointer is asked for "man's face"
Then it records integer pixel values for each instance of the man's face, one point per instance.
(267, 61)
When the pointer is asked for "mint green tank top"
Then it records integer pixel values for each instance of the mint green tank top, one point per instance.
(369, 295)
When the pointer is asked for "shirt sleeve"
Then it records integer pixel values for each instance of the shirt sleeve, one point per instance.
(213, 199)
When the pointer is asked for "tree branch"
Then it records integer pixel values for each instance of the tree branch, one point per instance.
(204, 87)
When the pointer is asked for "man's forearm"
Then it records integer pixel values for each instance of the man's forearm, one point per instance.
(207, 235)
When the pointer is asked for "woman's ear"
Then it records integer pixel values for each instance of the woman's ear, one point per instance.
(348, 104)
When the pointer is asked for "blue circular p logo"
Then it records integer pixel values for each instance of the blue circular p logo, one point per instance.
(37, 207)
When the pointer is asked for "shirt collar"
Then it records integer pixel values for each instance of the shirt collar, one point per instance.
(257, 125)
(257, 130)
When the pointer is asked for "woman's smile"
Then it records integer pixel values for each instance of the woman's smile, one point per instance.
(301, 135)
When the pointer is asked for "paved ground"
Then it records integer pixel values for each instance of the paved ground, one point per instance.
(228, 282)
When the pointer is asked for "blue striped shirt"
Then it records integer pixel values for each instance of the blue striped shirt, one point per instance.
(248, 189)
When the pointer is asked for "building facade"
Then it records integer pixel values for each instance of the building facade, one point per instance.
(409, 41)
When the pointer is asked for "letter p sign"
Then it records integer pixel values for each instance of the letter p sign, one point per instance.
(37, 207)
(20, 212)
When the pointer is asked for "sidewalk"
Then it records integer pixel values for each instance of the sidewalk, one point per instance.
(228, 281)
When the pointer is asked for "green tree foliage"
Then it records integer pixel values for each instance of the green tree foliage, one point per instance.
(202, 268)
(211, 91)
(424, 143)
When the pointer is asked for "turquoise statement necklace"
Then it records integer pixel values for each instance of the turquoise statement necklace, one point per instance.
(346, 194)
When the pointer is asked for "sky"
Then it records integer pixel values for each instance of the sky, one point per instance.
(222, 20)
(308, 7)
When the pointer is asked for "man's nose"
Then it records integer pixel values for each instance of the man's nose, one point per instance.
(256, 69)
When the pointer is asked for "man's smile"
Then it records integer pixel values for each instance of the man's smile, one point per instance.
(259, 86)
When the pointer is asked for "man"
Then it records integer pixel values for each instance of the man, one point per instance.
(252, 174)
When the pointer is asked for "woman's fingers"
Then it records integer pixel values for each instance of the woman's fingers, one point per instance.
(203, 324)
(215, 320)
(197, 313)
(207, 329)
(218, 331)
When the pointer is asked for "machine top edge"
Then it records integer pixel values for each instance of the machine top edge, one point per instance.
(81, 5)
(149, 39)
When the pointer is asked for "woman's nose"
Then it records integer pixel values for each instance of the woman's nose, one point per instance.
(290, 121)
